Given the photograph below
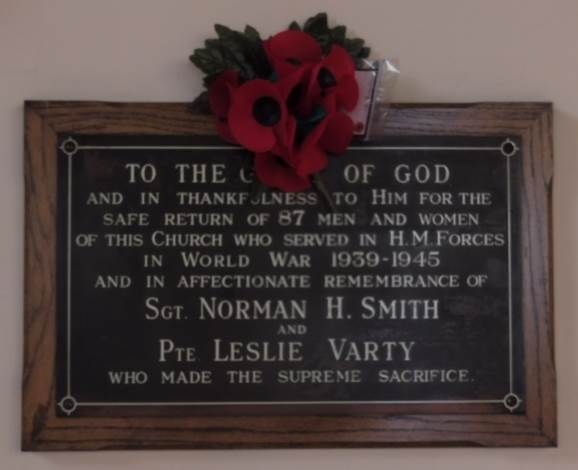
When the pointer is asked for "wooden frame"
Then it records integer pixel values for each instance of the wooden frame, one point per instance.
(43, 429)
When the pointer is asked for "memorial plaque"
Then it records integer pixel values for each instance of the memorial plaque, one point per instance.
(172, 302)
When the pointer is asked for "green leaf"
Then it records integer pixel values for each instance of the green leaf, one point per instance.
(338, 35)
(233, 47)
(354, 46)
(200, 105)
(244, 51)
(294, 26)
(212, 43)
(216, 53)
(252, 35)
(317, 25)
(256, 53)
(205, 61)
(208, 79)
(364, 53)
(223, 32)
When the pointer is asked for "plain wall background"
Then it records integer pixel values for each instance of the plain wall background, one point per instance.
(137, 50)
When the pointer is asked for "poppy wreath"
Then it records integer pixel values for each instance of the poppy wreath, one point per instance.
(286, 99)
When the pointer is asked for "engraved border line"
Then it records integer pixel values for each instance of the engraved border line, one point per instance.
(68, 403)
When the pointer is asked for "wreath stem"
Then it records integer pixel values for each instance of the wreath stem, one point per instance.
(322, 188)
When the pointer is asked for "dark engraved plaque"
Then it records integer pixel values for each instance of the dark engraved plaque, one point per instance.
(180, 284)
(171, 302)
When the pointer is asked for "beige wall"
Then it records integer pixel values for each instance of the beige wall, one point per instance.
(450, 50)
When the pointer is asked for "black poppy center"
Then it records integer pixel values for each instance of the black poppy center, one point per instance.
(325, 78)
(267, 111)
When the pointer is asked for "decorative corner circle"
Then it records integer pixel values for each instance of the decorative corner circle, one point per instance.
(509, 148)
(69, 146)
(68, 404)
(512, 401)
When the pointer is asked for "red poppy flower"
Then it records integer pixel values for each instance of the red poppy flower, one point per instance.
(332, 135)
(286, 138)
(290, 49)
(337, 134)
(308, 157)
(289, 166)
(334, 78)
(220, 92)
(291, 86)
(257, 114)
(274, 171)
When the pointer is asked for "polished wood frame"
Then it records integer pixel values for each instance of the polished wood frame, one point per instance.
(360, 426)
